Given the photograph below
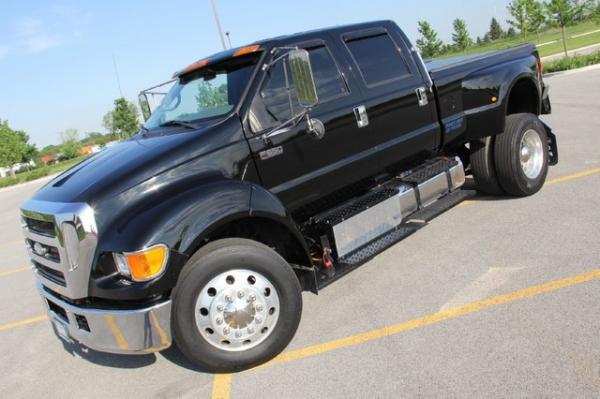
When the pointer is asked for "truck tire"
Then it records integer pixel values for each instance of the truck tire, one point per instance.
(521, 155)
(237, 303)
(483, 167)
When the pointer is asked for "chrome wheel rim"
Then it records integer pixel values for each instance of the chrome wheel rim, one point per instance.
(237, 310)
(531, 154)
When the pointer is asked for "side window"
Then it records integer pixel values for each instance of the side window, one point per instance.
(271, 105)
(378, 59)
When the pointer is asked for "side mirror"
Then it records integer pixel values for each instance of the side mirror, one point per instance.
(144, 106)
(302, 74)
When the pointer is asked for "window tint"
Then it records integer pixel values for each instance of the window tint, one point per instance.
(378, 58)
(271, 106)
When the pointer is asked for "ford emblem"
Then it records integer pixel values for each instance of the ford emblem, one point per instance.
(40, 249)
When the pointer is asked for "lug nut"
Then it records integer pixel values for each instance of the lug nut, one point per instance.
(226, 330)
(238, 334)
(219, 321)
(251, 298)
(259, 308)
(220, 308)
(258, 319)
(250, 330)
(228, 298)
(240, 294)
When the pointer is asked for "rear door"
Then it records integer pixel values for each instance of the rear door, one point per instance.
(403, 126)
(297, 168)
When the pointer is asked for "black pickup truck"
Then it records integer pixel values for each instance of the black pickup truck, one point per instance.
(272, 169)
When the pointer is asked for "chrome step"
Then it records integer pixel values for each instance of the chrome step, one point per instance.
(360, 221)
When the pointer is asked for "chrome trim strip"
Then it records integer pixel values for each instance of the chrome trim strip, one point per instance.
(53, 242)
(79, 216)
(137, 331)
(49, 263)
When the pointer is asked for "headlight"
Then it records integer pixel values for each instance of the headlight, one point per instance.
(143, 265)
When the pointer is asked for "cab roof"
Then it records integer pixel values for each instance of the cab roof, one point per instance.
(264, 44)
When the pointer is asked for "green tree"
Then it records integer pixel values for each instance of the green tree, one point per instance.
(518, 11)
(30, 151)
(536, 16)
(496, 31)
(429, 44)
(210, 96)
(561, 14)
(461, 37)
(527, 15)
(71, 146)
(13, 147)
(596, 13)
(511, 32)
(122, 121)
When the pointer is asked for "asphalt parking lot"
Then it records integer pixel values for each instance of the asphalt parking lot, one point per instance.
(497, 297)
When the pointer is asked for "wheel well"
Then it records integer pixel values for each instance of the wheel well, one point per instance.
(266, 231)
(523, 98)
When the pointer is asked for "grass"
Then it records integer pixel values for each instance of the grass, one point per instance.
(567, 63)
(543, 38)
(40, 172)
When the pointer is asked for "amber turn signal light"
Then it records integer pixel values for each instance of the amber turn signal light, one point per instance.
(143, 265)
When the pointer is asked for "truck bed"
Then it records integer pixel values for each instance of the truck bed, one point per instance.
(460, 66)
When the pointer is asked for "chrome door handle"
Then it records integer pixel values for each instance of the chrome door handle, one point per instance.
(362, 119)
(422, 96)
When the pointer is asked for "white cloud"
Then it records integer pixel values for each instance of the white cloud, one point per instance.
(28, 26)
(61, 27)
(41, 42)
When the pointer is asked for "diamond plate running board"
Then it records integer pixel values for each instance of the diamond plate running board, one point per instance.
(380, 244)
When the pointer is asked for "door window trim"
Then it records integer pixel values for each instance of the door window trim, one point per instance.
(365, 34)
(307, 45)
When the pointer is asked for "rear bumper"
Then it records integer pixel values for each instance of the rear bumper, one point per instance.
(136, 331)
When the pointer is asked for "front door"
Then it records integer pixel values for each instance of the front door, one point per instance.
(297, 168)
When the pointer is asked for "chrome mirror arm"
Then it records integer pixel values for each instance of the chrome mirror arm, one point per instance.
(284, 127)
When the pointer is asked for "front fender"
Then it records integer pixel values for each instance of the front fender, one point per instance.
(182, 221)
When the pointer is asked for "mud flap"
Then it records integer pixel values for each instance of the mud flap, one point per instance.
(552, 145)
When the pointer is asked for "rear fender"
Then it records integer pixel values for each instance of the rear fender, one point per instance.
(484, 116)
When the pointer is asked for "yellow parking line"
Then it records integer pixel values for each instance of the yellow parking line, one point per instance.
(584, 173)
(14, 271)
(550, 182)
(222, 383)
(19, 323)
(221, 388)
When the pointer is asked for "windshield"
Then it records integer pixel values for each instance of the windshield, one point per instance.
(210, 92)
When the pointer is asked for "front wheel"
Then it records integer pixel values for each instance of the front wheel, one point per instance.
(521, 155)
(237, 304)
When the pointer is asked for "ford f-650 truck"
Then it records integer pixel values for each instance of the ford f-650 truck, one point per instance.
(272, 169)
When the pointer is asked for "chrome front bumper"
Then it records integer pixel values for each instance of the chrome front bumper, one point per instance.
(136, 331)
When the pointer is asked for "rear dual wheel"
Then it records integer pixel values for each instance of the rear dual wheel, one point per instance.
(237, 304)
(514, 162)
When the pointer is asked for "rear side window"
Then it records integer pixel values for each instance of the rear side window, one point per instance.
(271, 106)
(378, 59)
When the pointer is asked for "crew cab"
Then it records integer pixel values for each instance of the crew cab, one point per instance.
(272, 169)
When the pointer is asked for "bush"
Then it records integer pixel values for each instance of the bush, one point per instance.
(567, 63)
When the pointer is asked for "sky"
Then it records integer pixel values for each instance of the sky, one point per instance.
(56, 57)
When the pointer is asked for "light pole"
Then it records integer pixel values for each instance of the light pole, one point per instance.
(221, 36)
(228, 39)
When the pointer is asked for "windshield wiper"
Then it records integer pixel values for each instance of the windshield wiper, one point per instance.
(179, 123)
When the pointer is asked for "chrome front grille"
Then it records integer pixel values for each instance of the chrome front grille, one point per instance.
(61, 241)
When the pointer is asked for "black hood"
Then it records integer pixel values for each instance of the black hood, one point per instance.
(123, 166)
